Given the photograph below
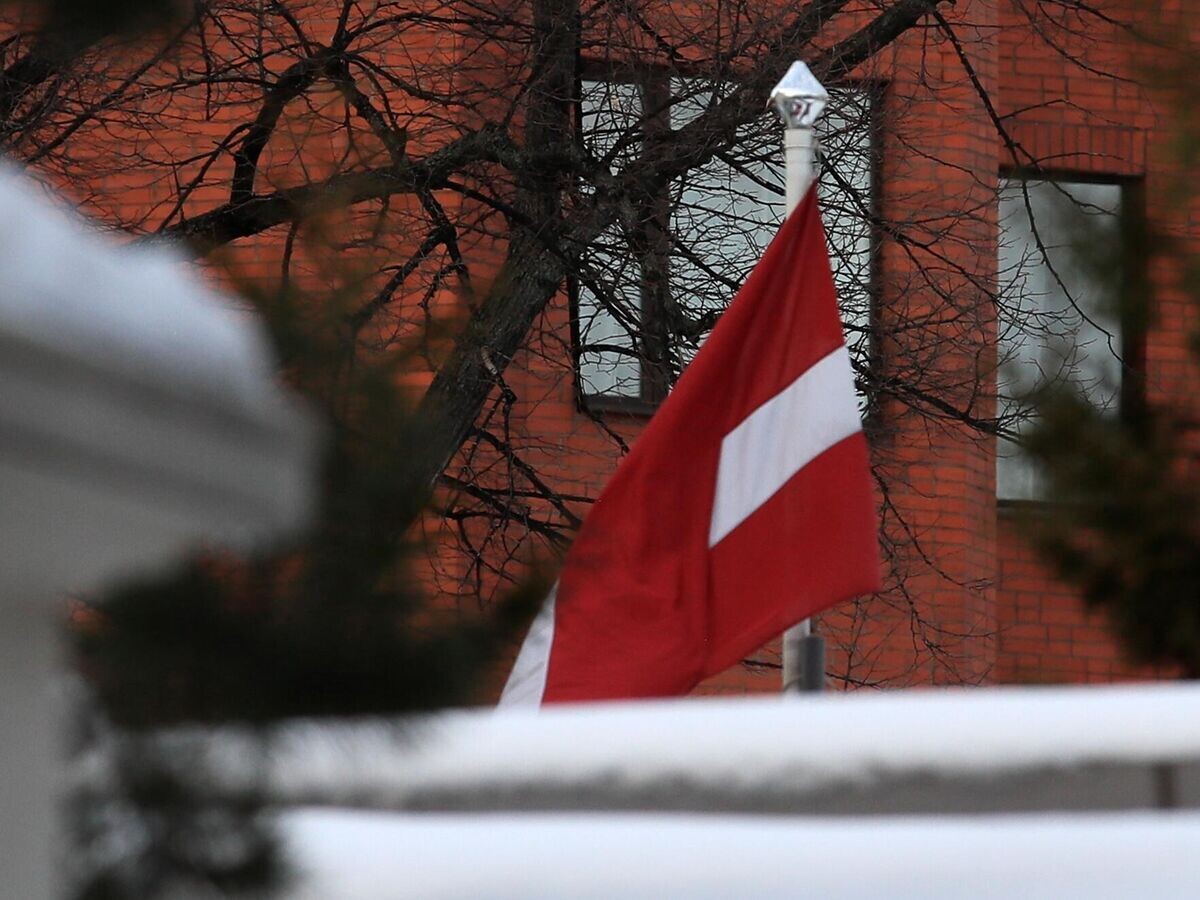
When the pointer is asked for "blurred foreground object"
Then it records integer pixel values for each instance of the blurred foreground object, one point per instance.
(981, 751)
(139, 420)
(1058, 792)
(657, 857)
(1123, 518)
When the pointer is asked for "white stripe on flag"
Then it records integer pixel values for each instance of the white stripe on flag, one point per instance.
(527, 683)
(781, 437)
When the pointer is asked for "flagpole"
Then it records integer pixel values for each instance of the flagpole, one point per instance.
(800, 99)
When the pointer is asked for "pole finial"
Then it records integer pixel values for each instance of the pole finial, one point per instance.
(799, 98)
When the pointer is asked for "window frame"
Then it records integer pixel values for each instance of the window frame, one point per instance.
(655, 88)
(1131, 393)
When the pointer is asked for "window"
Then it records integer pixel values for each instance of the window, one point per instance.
(1057, 316)
(655, 282)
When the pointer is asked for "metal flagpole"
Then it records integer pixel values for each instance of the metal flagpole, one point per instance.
(800, 99)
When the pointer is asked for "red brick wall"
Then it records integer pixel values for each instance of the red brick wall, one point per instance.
(965, 600)
(1045, 634)
(1000, 616)
(1079, 121)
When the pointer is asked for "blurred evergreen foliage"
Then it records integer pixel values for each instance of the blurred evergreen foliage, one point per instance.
(1123, 517)
(337, 624)
(84, 21)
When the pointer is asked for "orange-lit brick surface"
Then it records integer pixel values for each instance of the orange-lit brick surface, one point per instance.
(966, 601)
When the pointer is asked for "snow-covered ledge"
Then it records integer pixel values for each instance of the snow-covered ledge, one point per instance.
(530, 856)
(139, 418)
(981, 750)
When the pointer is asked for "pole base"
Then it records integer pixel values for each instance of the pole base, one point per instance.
(804, 663)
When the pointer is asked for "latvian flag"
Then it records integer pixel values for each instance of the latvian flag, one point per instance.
(744, 507)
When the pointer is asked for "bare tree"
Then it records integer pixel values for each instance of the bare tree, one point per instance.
(548, 205)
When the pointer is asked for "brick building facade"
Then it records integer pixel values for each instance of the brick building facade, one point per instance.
(1010, 95)
(985, 95)
(1082, 123)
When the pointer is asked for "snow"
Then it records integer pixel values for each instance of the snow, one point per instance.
(770, 744)
(736, 744)
(135, 310)
(379, 856)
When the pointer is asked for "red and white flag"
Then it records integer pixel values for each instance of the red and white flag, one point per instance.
(744, 507)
